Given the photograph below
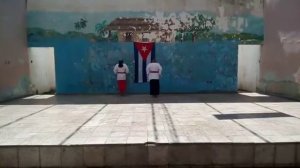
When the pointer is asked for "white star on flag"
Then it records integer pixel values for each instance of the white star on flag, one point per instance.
(144, 48)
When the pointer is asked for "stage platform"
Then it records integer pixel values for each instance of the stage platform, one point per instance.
(173, 130)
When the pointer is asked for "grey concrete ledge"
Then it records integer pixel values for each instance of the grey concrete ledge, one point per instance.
(153, 155)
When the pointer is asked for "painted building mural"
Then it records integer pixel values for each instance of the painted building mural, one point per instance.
(195, 41)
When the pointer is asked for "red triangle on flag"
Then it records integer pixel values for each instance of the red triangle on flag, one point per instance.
(144, 49)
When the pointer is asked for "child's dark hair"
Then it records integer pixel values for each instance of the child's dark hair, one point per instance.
(121, 63)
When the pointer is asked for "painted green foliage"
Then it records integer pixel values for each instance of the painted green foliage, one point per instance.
(102, 34)
(100, 28)
(81, 24)
(200, 26)
(197, 27)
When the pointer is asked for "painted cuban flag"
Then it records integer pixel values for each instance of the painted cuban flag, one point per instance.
(143, 53)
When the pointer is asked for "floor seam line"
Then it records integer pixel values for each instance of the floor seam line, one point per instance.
(275, 110)
(252, 132)
(74, 132)
(19, 119)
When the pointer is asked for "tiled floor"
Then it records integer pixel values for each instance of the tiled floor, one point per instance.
(178, 118)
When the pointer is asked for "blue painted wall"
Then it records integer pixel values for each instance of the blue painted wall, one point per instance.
(83, 66)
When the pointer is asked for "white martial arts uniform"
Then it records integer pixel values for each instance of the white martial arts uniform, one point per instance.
(121, 71)
(153, 70)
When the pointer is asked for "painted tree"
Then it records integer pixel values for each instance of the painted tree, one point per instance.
(81, 24)
(199, 25)
(185, 26)
(103, 33)
(100, 28)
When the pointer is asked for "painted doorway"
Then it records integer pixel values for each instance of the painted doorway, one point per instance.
(248, 67)
(42, 70)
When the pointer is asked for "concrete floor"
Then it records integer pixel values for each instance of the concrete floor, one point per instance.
(133, 119)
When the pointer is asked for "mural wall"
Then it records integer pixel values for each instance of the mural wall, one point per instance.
(280, 63)
(14, 69)
(195, 40)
